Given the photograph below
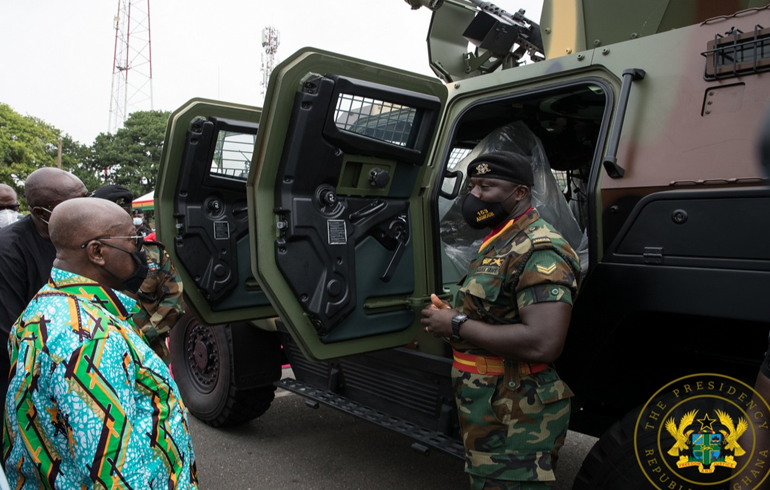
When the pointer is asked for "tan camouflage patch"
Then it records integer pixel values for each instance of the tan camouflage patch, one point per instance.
(476, 289)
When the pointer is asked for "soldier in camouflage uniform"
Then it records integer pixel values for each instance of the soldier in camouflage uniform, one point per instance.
(160, 296)
(515, 305)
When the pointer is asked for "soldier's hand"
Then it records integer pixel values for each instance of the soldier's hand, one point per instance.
(437, 318)
(438, 304)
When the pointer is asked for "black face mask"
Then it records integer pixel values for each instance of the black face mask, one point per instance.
(133, 282)
(480, 214)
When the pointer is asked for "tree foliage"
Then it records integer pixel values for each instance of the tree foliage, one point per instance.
(129, 157)
(26, 144)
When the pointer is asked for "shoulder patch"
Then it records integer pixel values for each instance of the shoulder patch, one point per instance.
(542, 243)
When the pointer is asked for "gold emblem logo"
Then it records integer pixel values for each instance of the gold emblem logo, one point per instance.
(482, 169)
(694, 433)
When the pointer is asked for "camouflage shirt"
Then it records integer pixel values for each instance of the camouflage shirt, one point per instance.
(513, 424)
(160, 298)
(527, 262)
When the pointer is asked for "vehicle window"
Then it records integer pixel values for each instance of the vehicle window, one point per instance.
(377, 119)
(232, 155)
(558, 132)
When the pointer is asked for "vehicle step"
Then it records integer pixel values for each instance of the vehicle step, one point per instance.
(423, 435)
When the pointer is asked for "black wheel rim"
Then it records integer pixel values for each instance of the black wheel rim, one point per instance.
(202, 353)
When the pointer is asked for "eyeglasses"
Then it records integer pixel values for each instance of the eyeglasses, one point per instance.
(13, 207)
(138, 240)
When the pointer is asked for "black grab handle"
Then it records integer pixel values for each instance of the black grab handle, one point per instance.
(611, 159)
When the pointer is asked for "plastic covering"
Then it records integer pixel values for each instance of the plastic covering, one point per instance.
(461, 243)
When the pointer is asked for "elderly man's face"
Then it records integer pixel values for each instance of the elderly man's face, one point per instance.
(117, 254)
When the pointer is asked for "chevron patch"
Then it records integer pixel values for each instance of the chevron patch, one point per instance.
(546, 270)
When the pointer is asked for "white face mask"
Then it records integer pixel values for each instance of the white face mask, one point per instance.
(7, 216)
(137, 221)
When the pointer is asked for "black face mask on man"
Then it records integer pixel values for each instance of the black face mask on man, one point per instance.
(480, 214)
(133, 282)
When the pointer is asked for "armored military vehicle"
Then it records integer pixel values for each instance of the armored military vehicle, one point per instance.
(314, 229)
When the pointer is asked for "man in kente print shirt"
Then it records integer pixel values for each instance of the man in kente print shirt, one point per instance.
(89, 404)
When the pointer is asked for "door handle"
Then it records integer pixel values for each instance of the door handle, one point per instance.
(401, 237)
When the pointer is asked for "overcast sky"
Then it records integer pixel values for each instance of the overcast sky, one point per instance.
(56, 57)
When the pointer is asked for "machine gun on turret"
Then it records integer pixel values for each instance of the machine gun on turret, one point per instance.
(502, 39)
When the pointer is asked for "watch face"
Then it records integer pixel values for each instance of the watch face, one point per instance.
(457, 320)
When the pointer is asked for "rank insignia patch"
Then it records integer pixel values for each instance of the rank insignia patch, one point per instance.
(546, 270)
(495, 261)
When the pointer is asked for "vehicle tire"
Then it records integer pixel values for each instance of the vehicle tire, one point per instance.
(202, 363)
(611, 464)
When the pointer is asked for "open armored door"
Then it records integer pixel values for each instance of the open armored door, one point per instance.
(341, 193)
(203, 212)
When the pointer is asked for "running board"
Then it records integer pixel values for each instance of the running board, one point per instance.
(422, 435)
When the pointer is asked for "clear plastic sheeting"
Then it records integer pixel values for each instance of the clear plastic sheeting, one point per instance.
(461, 243)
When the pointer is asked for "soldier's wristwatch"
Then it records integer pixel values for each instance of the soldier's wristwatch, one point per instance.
(457, 321)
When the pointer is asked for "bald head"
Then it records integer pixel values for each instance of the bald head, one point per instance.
(7, 195)
(49, 186)
(77, 220)
(76, 223)
(46, 188)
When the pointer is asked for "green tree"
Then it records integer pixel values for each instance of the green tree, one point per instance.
(28, 143)
(131, 156)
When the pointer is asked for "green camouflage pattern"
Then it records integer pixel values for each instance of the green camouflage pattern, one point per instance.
(517, 436)
(478, 483)
(159, 299)
(512, 425)
(529, 261)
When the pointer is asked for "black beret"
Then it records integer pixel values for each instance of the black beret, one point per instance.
(115, 193)
(503, 165)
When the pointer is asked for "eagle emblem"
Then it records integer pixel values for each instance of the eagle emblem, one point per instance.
(679, 433)
(482, 169)
(732, 433)
(705, 448)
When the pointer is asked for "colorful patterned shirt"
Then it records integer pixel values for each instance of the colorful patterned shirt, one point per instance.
(89, 405)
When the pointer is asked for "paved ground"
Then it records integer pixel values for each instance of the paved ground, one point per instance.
(295, 447)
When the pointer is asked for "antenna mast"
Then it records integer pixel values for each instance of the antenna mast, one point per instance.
(270, 42)
(132, 62)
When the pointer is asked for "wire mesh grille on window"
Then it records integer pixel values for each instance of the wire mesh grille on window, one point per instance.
(232, 155)
(378, 119)
(456, 156)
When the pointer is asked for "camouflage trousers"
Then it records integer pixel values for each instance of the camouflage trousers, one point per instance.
(479, 483)
(512, 426)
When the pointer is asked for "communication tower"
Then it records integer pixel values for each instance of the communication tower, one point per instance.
(132, 62)
(270, 42)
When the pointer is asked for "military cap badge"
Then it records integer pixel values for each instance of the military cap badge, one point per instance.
(121, 201)
(482, 169)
